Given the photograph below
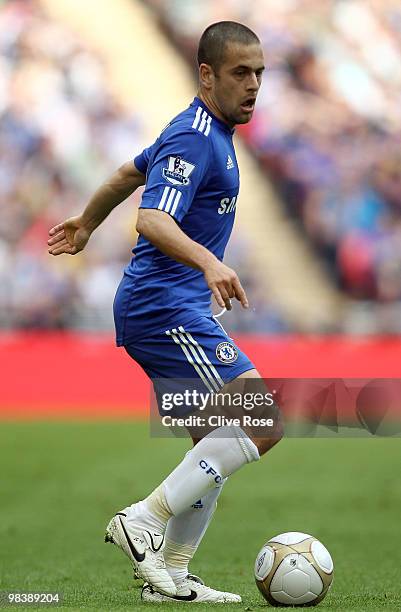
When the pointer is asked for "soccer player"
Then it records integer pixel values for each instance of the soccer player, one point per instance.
(162, 306)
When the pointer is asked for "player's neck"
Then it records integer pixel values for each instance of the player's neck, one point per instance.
(212, 106)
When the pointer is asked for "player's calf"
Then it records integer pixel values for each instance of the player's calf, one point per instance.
(261, 412)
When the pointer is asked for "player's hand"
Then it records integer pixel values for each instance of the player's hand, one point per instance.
(225, 284)
(69, 237)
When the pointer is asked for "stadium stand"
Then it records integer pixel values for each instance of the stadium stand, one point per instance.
(71, 111)
(64, 128)
(327, 130)
(62, 131)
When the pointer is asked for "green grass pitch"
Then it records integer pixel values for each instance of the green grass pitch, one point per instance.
(61, 482)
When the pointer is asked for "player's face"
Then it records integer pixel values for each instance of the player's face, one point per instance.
(237, 82)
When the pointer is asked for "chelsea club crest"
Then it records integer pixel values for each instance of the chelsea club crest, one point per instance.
(226, 352)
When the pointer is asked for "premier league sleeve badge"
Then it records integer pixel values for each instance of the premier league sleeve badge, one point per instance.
(178, 170)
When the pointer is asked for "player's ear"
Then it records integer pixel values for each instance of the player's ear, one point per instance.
(206, 76)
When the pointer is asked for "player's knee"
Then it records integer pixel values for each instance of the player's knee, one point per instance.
(265, 444)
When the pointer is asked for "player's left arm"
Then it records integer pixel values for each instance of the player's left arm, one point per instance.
(72, 235)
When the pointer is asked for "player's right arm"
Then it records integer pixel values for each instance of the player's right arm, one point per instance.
(163, 232)
(167, 199)
(71, 235)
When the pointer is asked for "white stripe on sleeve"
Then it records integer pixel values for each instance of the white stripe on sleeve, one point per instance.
(177, 199)
(170, 200)
(163, 198)
(203, 122)
(208, 123)
(197, 117)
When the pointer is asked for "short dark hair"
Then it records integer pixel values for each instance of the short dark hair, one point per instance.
(214, 39)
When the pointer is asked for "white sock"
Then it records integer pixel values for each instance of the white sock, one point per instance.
(219, 454)
(184, 533)
(141, 515)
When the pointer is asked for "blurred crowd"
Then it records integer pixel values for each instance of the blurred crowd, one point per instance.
(327, 129)
(327, 126)
(62, 132)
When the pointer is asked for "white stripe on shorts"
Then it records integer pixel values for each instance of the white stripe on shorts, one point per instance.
(175, 336)
(194, 350)
(203, 354)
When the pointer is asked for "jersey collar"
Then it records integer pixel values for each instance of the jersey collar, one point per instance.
(197, 101)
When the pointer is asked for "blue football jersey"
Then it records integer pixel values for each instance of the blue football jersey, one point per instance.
(192, 175)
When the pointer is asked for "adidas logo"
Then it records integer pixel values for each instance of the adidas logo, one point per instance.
(230, 163)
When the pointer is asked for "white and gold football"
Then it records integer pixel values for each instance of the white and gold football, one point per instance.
(293, 569)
